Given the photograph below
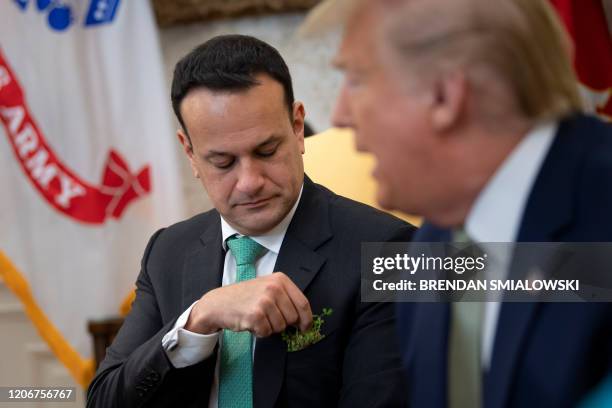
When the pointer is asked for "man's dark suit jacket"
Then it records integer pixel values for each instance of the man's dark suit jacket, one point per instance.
(357, 364)
(544, 354)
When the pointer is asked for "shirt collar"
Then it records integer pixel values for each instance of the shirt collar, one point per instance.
(271, 240)
(497, 211)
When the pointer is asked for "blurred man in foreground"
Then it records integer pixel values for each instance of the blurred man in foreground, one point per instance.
(472, 111)
(207, 288)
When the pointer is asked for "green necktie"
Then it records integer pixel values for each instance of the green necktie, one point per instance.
(236, 368)
(465, 374)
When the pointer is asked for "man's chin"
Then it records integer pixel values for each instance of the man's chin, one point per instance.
(257, 223)
(384, 199)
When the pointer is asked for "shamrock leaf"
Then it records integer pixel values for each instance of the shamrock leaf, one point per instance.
(297, 340)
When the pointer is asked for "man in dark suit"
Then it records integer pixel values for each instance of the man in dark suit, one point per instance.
(470, 107)
(206, 328)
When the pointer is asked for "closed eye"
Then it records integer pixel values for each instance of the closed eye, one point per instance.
(267, 153)
(267, 150)
(222, 163)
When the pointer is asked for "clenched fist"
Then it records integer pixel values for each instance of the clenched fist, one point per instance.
(262, 306)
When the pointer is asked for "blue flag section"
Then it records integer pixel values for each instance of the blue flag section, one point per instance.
(61, 14)
(101, 12)
(22, 4)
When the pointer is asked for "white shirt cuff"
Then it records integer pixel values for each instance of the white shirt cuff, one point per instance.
(185, 348)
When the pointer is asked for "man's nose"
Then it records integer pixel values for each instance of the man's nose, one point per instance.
(250, 177)
(342, 112)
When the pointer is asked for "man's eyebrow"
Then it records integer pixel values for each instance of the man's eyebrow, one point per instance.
(213, 153)
(270, 140)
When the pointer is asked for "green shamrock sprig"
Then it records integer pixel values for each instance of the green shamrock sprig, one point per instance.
(297, 340)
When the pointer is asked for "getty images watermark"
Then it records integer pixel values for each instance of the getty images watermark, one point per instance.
(509, 272)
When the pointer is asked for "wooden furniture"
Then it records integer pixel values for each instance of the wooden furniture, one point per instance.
(103, 332)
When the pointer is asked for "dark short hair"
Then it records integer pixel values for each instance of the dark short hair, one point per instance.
(229, 63)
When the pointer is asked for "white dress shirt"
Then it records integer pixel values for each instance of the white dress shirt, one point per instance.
(185, 348)
(497, 213)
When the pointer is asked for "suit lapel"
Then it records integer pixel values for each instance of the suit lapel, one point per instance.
(428, 359)
(547, 213)
(203, 268)
(513, 325)
(298, 259)
(551, 201)
(309, 229)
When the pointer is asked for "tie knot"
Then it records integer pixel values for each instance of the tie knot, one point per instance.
(245, 250)
(460, 236)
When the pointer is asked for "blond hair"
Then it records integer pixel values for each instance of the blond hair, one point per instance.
(519, 43)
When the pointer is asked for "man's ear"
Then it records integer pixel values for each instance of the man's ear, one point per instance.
(185, 142)
(299, 113)
(188, 149)
(449, 100)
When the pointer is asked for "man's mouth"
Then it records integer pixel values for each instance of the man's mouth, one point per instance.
(255, 203)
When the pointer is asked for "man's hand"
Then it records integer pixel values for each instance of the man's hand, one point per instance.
(263, 306)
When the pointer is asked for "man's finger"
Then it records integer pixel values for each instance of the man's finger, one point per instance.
(263, 328)
(275, 317)
(300, 302)
(287, 308)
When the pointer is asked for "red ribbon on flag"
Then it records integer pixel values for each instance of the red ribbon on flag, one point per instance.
(586, 23)
(62, 188)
